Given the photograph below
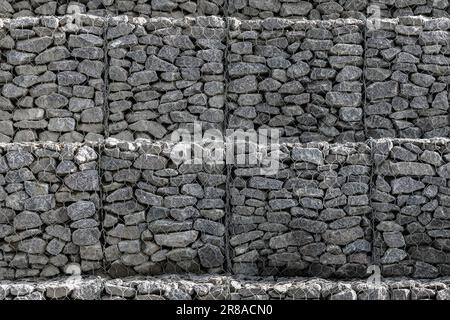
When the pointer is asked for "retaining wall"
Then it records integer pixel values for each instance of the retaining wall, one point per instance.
(161, 216)
(222, 288)
(297, 9)
(310, 218)
(314, 217)
(335, 81)
(164, 75)
(51, 80)
(410, 203)
(303, 78)
(145, 8)
(313, 80)
(407, 76)
(49, 209)
(242, 9)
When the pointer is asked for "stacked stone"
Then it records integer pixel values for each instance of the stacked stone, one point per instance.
(301, 77)
(161, 215)
(410, 199)
(212, 287)
(312, 9)
(164, 75)
(160, 288)
(49, 209)
(396, 8)
(51, 79)
(407, 70)
(60, 289)
(309, 219)
(320, 289)
(223, 288)
(15, 9)
(147, 8)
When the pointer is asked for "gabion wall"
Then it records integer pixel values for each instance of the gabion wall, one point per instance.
(49, 211)
(164, 75)
(407, 79)
(395, 8)
(51, 80)
(214, 287)
(161, 216)
(410, 200)
(301, 77)
(144, 8)
(311, 218)
(312, 9)
(314, 81)
(124, 206)
(242, 9)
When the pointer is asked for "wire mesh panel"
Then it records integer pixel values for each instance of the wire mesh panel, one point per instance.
(410, 206)
(164, 75)
(147, 8)
(297, 9)
(407, 69)
(49, 210)
(161, 215)
(170, 287)
(396, 8)
(27, 8)
(51, 79)
(310, 218)
(301, 77)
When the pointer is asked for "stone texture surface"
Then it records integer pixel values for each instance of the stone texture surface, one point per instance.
(215, 287)
(312, 9)
(49, 202)
(312, 80)
(243, 9)
(407, 79)
(164, 75)
(161, 217)
(309, 219)
(51, 80)
(399, 8)
(303, 78)
(144, 8)
(410, 207)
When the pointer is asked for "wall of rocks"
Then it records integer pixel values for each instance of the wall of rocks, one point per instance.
(331, 210)
(213, 287)
(302, 77)
(123, 206)
(407, 76)
(51, 80)
(242, 9)
(410, 203)
(49, 209)
(131, 78)
(308, 219)
(143, 8)
(165, 75)
(161, 216)
(396, 8)
(297, 9)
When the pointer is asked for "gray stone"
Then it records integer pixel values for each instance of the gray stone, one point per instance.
(211, 256)
(86, 237)
(87, 180)
(406, 185)
(81, 210)
(311, 155)
(176, 239)
(27, 220)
